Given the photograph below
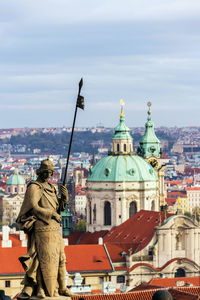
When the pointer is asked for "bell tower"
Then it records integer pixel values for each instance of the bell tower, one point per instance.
(149, 143)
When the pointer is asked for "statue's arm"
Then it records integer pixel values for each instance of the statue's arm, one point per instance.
(44, 214)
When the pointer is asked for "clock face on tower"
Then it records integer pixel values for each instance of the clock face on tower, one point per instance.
(153, 162)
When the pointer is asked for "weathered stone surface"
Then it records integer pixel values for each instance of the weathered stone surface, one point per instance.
(51, 298)
(39, 217)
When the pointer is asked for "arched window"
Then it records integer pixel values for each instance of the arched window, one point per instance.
(153, 205)
(94, 213)
(90, 213)
(132, 209)
(180, 272)
(120, 279)
(117, 147)
(124, 147)
(107, 213)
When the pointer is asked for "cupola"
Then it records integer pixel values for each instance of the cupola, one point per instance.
(15, 183)
(149, 143)
(122, 142)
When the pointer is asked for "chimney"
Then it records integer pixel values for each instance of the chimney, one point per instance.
(6, 243)
(100, 241)
(22, 237)
(66, 241)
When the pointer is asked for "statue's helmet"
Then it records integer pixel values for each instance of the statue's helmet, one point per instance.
(46, 165)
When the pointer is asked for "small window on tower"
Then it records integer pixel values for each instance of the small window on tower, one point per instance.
(124, 147)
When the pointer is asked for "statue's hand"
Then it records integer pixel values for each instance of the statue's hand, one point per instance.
(64, 192)
(56, 217)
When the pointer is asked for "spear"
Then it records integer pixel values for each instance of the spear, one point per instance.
(80, 104)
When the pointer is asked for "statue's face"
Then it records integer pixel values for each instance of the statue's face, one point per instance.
(46, 175)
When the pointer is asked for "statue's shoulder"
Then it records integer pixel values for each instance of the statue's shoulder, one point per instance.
(34, 184)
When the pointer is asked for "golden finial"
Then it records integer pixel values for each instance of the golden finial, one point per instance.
(149, 104)
(122, 103)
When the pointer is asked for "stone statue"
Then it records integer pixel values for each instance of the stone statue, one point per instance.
(39, 217)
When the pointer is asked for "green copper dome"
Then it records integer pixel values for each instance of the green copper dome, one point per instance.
(122, 168)
(121, 130)
(15, 179)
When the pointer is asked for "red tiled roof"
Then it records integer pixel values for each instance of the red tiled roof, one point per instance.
(73, 237)
(14, 238)
(9, 263)
(138, 295)
(191, 290)
(87, 258)
(115, 251)
(137, 231)
(173, 282)
(170, 201)
(176, 194)
(193, 188)
(81, 258)
(84, 238)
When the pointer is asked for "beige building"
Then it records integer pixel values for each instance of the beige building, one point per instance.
(12, 200)
(80, 203)
(193, 195)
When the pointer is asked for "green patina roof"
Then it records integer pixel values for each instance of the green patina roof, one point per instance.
(121, 130)
(66, 213)
(149, 135)
(15, 179)
(149, 143)
(122, 168)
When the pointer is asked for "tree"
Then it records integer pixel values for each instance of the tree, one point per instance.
(80, 225)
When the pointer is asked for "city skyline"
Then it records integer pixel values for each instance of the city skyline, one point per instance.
(132, 50)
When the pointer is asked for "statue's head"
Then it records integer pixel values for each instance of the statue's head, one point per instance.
(46, 167)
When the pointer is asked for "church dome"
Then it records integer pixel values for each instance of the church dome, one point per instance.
(116, 168)
(15, 179)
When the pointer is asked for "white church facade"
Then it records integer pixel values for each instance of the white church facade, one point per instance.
(125, 182)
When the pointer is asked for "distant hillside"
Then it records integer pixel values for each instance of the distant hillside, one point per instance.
(82, 142)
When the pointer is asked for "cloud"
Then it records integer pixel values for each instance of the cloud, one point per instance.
(66, 11)
(137, 50)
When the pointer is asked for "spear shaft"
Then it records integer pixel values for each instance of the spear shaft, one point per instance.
(72, 132)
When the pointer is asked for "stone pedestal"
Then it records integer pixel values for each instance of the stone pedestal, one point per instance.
(52, 298)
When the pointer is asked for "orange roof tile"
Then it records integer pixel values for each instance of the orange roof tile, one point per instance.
(9, 263)
(137, 231)
(14, 238)
(87, 258)
(82, 258)
(138, 295)
(173, 282)
(193, 188)
(84, 238)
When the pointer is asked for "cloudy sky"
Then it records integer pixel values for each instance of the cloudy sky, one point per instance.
(138, 50)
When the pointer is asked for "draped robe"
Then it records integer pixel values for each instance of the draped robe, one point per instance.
(44, 262)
